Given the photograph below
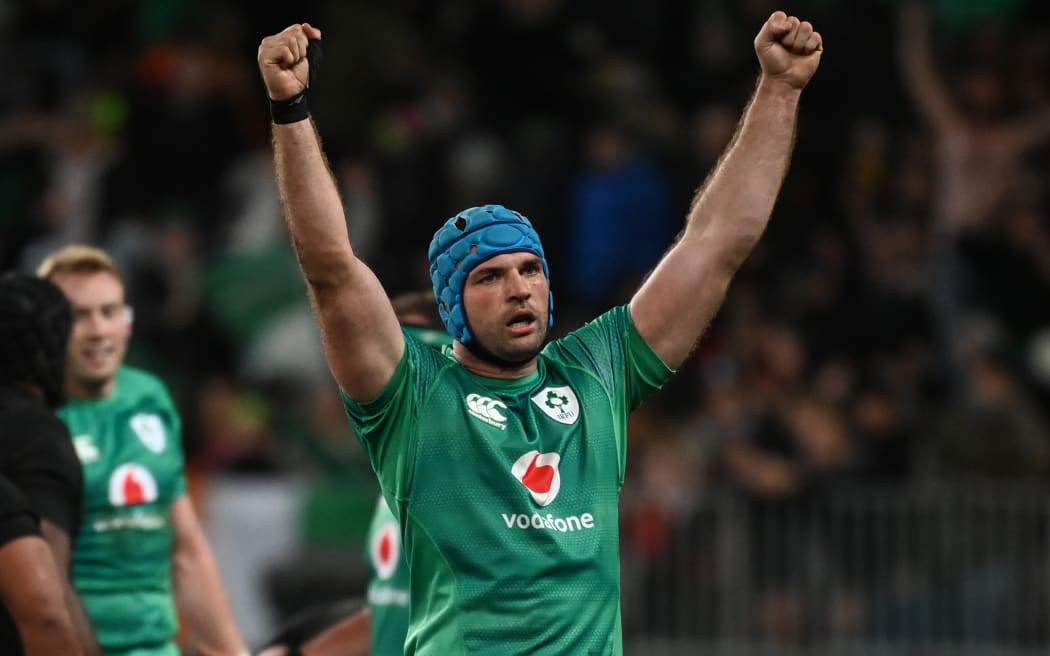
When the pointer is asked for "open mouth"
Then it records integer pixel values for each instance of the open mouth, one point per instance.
(521, 320)
(98, 354)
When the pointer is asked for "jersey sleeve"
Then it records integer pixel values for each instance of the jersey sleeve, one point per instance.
(611, 347)
(16, 518)
(387, 426)
(173, 422)
(50, 475)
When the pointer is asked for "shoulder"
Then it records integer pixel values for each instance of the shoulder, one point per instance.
(139, 377)
(612, 324)
(135, 382)
(429, 358)
(11, 499)
(42, 441)
(16, 517)
(33, 421)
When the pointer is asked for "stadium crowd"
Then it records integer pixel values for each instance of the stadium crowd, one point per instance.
(891, 328)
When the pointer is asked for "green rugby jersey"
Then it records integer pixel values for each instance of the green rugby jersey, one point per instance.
(507, 492)
(388, 584)
(130, 447)
(388, 571)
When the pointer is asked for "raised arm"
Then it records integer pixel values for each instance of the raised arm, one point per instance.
(730, 211)
(925, 85)
(362, 340)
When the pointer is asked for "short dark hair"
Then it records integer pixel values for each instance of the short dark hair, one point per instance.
(35, 322)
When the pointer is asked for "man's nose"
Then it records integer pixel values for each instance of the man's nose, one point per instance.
(518, 286)
(91, 323)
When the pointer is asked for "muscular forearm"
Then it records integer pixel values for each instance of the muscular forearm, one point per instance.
(31, 590)
(199, 593)
(359, 330)
(58, 542)
(731, 210)
(203, 605)
(734, 205)
(81, 623)
(311, 204)
(350, 637)
(47, 633)
(728, 217)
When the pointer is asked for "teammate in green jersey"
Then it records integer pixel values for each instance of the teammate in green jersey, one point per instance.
(503, 456)
(378, 628)
(142, 559)
(388, 587)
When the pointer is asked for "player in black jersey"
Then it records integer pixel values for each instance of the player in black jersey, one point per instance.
(42, 494)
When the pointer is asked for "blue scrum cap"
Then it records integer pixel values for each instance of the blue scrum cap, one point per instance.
(465, 241)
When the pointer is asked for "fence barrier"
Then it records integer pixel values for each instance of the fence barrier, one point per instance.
(949, 569)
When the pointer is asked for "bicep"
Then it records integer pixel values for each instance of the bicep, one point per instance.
(352, 636)
(679, 299)
(360, 333)
(29, 579)
(57, 498)
(58, 541)
(187, 529)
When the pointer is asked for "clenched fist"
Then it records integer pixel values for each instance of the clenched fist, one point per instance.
(788, 49)
(283, 63)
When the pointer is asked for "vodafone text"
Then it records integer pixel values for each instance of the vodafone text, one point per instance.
(387, 596)
(560, 524)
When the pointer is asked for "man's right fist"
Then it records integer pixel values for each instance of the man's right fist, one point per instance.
(283, 63)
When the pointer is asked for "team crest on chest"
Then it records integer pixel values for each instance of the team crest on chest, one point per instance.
(85, 448)
(558, 403)
(150, 431)
(131, 485)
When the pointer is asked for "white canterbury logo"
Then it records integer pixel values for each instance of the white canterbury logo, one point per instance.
(487, 410)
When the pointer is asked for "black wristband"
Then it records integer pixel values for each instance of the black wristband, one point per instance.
(295, 109)
(292, 110)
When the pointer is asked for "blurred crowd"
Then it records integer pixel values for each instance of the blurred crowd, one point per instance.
(893, 325)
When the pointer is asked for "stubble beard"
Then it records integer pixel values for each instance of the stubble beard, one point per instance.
(507, 358)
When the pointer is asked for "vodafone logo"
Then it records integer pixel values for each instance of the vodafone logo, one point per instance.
(488, 410)
(132, 484)
(386, 550)
(538, 472)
